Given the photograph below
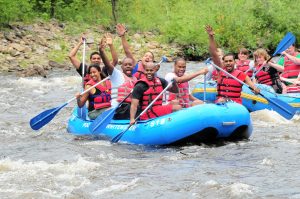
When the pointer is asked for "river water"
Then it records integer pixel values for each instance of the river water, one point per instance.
(50, 163)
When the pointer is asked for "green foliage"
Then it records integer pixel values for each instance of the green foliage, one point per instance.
(13, 10)
(238, 23)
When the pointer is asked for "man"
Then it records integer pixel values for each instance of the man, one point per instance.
(94, 57)
(183, 96)
(126, 83)
(146, 90)
(228, 88)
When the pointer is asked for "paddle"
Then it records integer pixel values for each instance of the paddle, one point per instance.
(82, 111)
(104, 119)
(119, 136)
(45, 117)
(276, 104)
(284, 44)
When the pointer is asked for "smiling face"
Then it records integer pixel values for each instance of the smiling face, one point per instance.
(148, 57)
(94, 72)
(260, 59)
(180, 67)
(150, 70)
(127, 66)
(228, 62)
(95, 59)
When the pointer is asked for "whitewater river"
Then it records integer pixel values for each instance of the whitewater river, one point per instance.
(51, 163)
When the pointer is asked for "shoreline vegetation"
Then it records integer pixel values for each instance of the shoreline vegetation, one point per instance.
(37, 36)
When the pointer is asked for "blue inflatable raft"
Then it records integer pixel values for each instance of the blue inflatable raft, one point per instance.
(251, 101)
(202, 123)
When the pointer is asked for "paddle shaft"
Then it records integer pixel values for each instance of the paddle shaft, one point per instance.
(90, 88)
(83, 63)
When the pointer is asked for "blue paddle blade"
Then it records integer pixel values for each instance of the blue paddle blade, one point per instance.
(281, 107)
(119, 136)
(102, 121)
(285, 43)
(164, 59)
(44, 118)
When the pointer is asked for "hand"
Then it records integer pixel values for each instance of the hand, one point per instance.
(109, 39)
(77, 95)
(102, 43)
(256, 91)
(121, 29)
(284, 53)
(82, 38)
(209, 30)
(132, 121)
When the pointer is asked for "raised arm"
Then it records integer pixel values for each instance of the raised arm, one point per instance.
(109, 42)
(72, 55)
(213, 46)
(294, 59)
(121, 31)
(188, 77)
(107, 64)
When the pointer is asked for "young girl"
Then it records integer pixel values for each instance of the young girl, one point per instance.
(266, 75)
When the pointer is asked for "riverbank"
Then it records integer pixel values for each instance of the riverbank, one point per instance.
(35, 49)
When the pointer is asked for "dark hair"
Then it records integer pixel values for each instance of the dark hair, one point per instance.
(179, 59)
(94, 53)
(228, 54)
(94, 66)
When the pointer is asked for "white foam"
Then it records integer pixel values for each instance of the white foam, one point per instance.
(267, 162)
(269, 116)
(240, 189)
(120, 187)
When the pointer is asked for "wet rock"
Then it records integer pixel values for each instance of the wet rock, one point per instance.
(54, 64)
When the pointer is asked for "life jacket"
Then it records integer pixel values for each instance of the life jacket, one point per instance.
(102, 97)
(215, 75)
(244, 65)
(86, 79)
(291, 70)
(155, 88)
(263, 77)
(126, 88)
(140, 73)
(183, 95)
(293, 89)
(230, 88)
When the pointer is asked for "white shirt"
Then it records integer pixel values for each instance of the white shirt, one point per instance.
(117, 78)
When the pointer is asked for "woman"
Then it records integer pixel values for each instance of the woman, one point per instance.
(269, 76)
(99, 97)
(139, 69)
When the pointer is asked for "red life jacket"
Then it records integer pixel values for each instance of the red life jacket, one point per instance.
(102, 97)
(293, 89)
(263, 77)
(86, 78)
(140, 73)
(291, 70)
(183, 95)
(126, 88)
(244, 65)
(229, 87)
(155, 88)
(215, 75)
